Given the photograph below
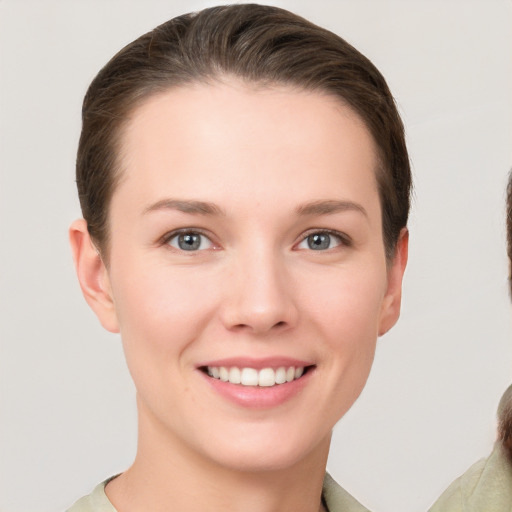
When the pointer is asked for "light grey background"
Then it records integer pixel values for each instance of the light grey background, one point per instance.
(66, 401)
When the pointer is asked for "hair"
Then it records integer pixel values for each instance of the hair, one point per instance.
(505, 405)
(509, 231)
(505, 421)
(261, 45)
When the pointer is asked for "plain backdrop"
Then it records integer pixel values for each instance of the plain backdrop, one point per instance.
(428, 411)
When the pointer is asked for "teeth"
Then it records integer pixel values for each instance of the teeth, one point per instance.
(224, 374)
(265, 377)
(249, 377)
(234, 375)
(281, 375)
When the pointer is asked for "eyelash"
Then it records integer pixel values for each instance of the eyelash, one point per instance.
(343, 239)
(167, 238)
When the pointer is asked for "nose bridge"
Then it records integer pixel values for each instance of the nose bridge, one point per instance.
(261, 297)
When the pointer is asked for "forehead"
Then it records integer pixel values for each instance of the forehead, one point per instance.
(204, 137)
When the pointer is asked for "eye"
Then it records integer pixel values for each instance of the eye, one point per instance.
(189, 241)
(322, 241)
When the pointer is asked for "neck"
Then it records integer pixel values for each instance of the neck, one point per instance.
(167, 474)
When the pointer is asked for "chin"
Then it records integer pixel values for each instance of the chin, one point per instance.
(275, 452)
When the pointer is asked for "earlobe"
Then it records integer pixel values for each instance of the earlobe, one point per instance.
(392, 301)
(92, 275)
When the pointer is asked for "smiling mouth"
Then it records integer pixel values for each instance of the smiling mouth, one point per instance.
(266, 377)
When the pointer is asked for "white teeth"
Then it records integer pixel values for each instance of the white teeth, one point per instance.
(281, 375)
(224, 374)
(234, 375)
(249, 377)
(265, 377)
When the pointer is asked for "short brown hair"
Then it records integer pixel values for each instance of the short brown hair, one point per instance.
(259, 44)
(505, 421)
(505, 406)
(509, 230)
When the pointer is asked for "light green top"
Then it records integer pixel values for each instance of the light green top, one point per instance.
(336, 499)
(484, 487)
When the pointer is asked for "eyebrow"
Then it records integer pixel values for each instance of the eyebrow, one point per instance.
(324, 207)
(193, 207)
(330, 207)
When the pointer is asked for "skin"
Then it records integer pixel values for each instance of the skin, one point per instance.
(274, 166)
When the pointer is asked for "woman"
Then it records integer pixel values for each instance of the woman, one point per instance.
(245, 184)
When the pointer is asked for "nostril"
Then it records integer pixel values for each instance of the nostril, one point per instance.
(241, 327)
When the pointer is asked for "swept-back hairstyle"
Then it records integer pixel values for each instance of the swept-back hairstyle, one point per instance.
(261, 45)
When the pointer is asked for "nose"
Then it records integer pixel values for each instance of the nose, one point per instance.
(260, 295)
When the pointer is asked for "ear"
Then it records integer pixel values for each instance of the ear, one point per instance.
(391, 305)
(92, 275)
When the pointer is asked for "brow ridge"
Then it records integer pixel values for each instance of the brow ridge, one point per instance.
(321, 207)
(186, 206)
(327, 207)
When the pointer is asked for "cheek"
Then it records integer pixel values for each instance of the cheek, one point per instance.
(161, 315)
(348, 318)
(161, 310)
(347, 304)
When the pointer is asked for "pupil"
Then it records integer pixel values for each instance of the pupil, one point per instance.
(319, 241)
(189, 242)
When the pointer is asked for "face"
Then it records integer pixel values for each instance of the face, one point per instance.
(247, 272)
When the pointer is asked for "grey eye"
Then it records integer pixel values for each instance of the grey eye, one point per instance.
(322, 241)
(319, 241)
(190, 241)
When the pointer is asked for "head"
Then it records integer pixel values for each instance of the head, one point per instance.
(261, 45)
(245, 186)
(505, 405)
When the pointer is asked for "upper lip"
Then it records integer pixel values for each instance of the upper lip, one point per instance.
(257, 363)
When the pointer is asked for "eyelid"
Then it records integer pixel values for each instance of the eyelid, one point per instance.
(345, 240)
(165, 239)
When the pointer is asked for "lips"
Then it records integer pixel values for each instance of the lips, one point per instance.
(258, 383)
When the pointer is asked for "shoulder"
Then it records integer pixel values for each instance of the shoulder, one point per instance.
(486, 485)
(339, 500)
(336, 499)
(97, 501)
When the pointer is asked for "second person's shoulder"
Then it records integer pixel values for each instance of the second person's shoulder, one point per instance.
(485, 486)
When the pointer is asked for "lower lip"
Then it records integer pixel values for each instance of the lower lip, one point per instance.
(259, 397)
